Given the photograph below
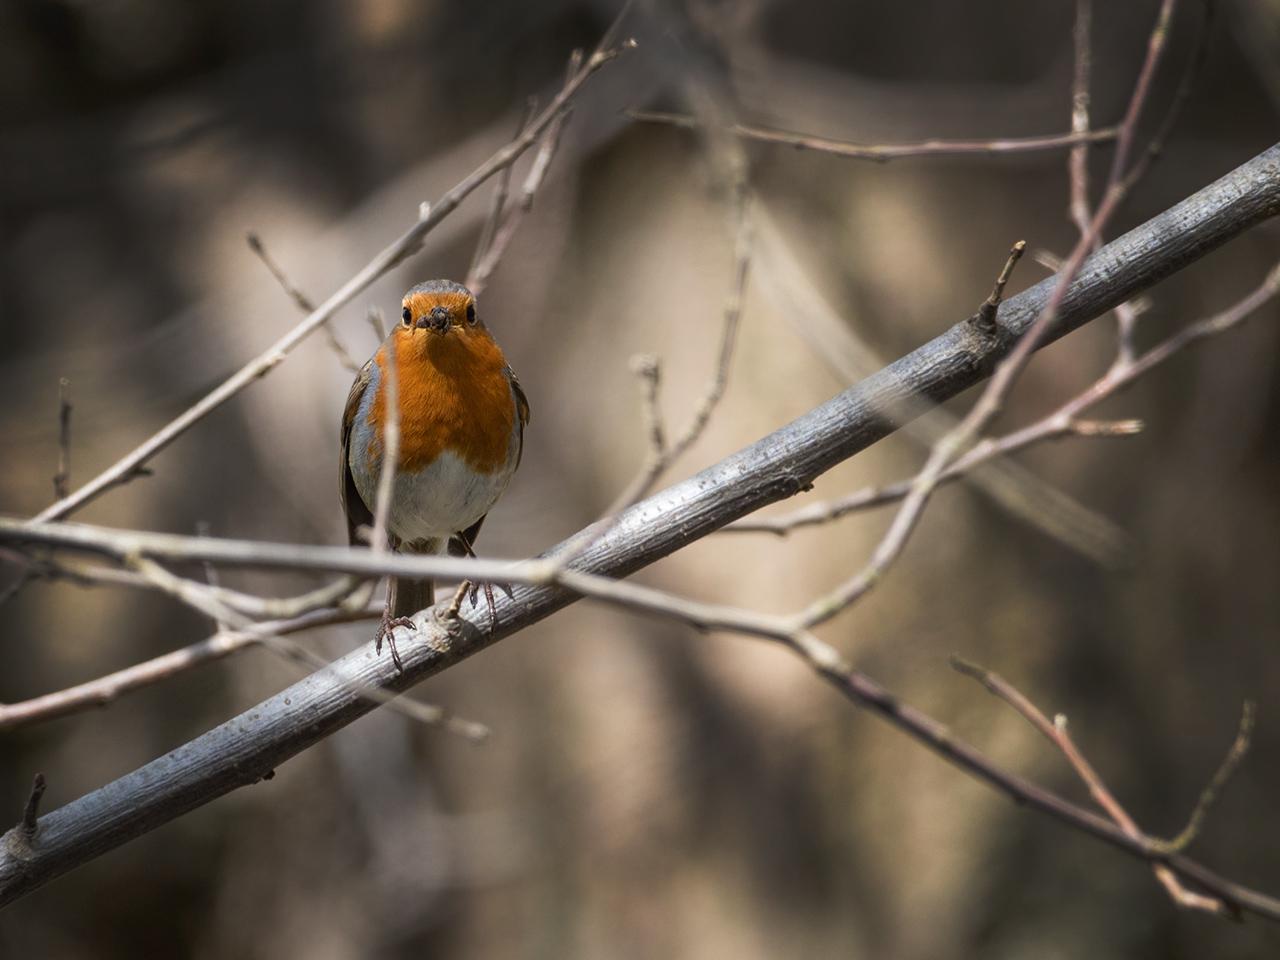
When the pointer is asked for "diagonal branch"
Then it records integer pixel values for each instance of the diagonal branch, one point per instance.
(244, 749)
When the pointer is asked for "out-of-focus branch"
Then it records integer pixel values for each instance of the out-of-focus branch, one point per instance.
(994, 394)
(504, 220)
(242, 750)
(1078, 158)
(1063, 422)
(1055, 732)
(105, 689)
(303, 302)
(882, 152)
(406, 245)
(662, 452)
(62, 477)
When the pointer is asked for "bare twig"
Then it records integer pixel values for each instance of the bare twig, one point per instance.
(210, 571)
(495, 244)
(202, 598)
(663, 453)
(303, 302)
(986, 316)
(498, 204)
(1065, 421)
(104, 690)
(648, 370)
(550, 143)
(1209, 795)
(1056, 732)
(406, 245)
(63, 476)
(390, 370)
(380, 539)
(881, 152)
(775, 467)
(793, 289)
(374, 317)
(993, 396)
(31, 810)
(1078, 158)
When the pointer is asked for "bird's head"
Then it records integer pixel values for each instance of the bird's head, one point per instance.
(437, 311)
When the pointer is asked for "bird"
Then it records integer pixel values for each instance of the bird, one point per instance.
(462, 421)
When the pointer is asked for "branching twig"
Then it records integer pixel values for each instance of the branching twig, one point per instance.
(887, 151)
(774, 467)
(1056, 732)
(1209, 795)
(106, 689)
(495, 245)
(406, 245)
(303, 302)
(497, 205)
(203, 599)
(1065, 421)
(993, 396)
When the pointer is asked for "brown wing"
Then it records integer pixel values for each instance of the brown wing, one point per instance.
(353, 505)
(522, 408)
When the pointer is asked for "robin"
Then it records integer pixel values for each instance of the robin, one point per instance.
(462, 420)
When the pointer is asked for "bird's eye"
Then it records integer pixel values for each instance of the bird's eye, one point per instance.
(407, 316)
(471, 313)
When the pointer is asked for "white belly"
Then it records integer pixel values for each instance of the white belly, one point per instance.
(444, 499)
(438, 502)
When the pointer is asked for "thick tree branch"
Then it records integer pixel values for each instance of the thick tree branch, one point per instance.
(248, 747)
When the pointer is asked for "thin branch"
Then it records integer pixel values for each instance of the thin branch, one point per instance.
(203, 599)
(993, 396)
(30, 812)
(1078, 158)
(648, 370)
(550, 144)
(104, 690)
(776, 466)
(211, 577)
(498, 203)
(379, 541)
(663, 453)
(62, 477)
(986, 316)
(1055, 732)
(881, 152)
(1060, 423)
(304, 303)
(497, 243)
(1129, 126)
(406, 245)
(1209, 795)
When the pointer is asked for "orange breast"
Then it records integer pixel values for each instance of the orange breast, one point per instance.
(454, 397)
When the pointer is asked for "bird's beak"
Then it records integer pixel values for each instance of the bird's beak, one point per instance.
(438, 320)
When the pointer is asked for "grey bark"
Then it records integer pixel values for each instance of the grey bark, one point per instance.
(247, 748)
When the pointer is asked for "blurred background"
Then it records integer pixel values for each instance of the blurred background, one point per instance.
(647, 791)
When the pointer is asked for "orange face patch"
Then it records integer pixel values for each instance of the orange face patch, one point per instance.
(420, 304)
(454, 393)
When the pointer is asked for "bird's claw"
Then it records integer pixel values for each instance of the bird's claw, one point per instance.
(473, 593)
(386, 630)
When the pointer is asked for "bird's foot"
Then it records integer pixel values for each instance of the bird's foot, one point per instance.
(387, 631)
(471, 590)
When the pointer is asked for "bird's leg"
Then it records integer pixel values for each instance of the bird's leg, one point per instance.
(387, 627)
(472, 589)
